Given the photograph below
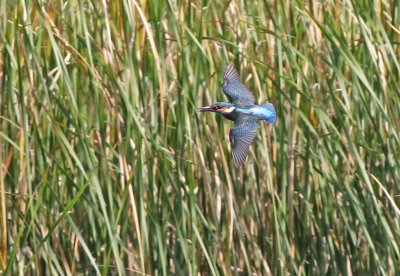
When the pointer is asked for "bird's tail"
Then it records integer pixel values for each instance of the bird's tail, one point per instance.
(272, 116)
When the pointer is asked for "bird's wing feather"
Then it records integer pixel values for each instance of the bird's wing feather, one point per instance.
(237, 92)
(241, 136)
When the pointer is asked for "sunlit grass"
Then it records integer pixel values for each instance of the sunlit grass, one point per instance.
(108, 168)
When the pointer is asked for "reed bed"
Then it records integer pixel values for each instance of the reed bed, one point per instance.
(107, 168)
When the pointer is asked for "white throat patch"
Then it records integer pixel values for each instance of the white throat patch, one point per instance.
(231, 109)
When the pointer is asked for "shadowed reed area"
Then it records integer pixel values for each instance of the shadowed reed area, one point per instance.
(108, 168)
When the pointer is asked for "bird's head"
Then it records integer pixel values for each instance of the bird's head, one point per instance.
(226, 109)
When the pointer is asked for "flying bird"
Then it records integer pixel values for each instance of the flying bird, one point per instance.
(243, 111)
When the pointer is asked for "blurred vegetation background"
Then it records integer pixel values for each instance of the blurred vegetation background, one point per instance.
(107, 168)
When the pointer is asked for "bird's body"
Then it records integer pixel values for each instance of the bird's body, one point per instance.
(261, 112)
(243, 111)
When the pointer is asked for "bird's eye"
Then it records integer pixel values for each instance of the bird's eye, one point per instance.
(216, 107)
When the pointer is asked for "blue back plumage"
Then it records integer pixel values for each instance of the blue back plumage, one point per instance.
(262, 112)
(270, 113)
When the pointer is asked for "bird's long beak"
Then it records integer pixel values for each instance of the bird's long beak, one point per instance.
(205, 108)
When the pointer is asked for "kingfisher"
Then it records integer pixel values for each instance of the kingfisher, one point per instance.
(243, 111)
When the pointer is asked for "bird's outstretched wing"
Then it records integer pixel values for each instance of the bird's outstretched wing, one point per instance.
(241, 136)
(237, 92)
